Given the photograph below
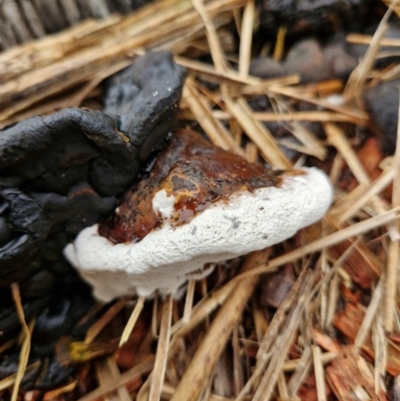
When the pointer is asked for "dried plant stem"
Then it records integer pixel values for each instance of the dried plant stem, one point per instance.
(106, 370)
(259, 134)
(296, 94)
(319, 373)
(246, 36)
(187, 311)
(217, 133)
(200, 313)
(132, 321)
(263, 354)
(316, 116)
(97, 327)
(361, 39)
(268, 381)
(393, 249)
(216, 51)
(301, 371)
(160, 363)
(214, 341)
(358, 77)
(280, 44)
(26, 345)
(366, 195)
(134, 373)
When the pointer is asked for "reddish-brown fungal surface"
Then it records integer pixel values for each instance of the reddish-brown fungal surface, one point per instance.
(197, 174)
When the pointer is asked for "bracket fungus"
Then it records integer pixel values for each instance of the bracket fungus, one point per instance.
(199, 204)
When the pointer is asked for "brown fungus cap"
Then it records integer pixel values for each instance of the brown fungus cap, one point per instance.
(197, 174)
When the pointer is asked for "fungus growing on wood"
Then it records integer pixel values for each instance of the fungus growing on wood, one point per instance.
(199, 204)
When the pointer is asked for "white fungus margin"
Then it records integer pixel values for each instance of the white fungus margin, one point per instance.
(167, 257)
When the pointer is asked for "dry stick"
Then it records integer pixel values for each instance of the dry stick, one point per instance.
(265, 142)
(200, 312)
(319, 373)
(296, 94)
(366, 324)
(312, 145)
(246, 36)
(301, 364)
(380, 343)
(268, 381)
(214, 341)
(97, 327)
(132, 374)
(160, 363)
(211, 302)
(314, 116)
(26, 345)
(358, 77)
(360, 39)
(217, 133)
(132, 321)
(212, 37)
(229, 76)
(106, 370)
(263, 354)
(282, 388)
(300, 373)
(338, 140)
(393, 249)
(366, 195)
(187, 311)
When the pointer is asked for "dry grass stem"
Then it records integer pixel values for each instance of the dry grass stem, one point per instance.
(267, 383)
(97, 327)
(319, 373)
(358, 77)
(160, 363)
(106, 370)
(366, 325)
(312, 145)
(280, 44)
(361, 39)
(259, 134)
(246, 37)
(393, 249)
(187, 311)
(26, 344)
(299, 95)
(132, 321)
(364, 195)
(217, 133)
(263, 354)
(314, 116)
(35, 71)
(216, 50)
(301, 369)
(136, 372)
(214, 341)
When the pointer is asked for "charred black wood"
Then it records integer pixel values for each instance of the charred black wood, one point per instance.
(64, 172)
